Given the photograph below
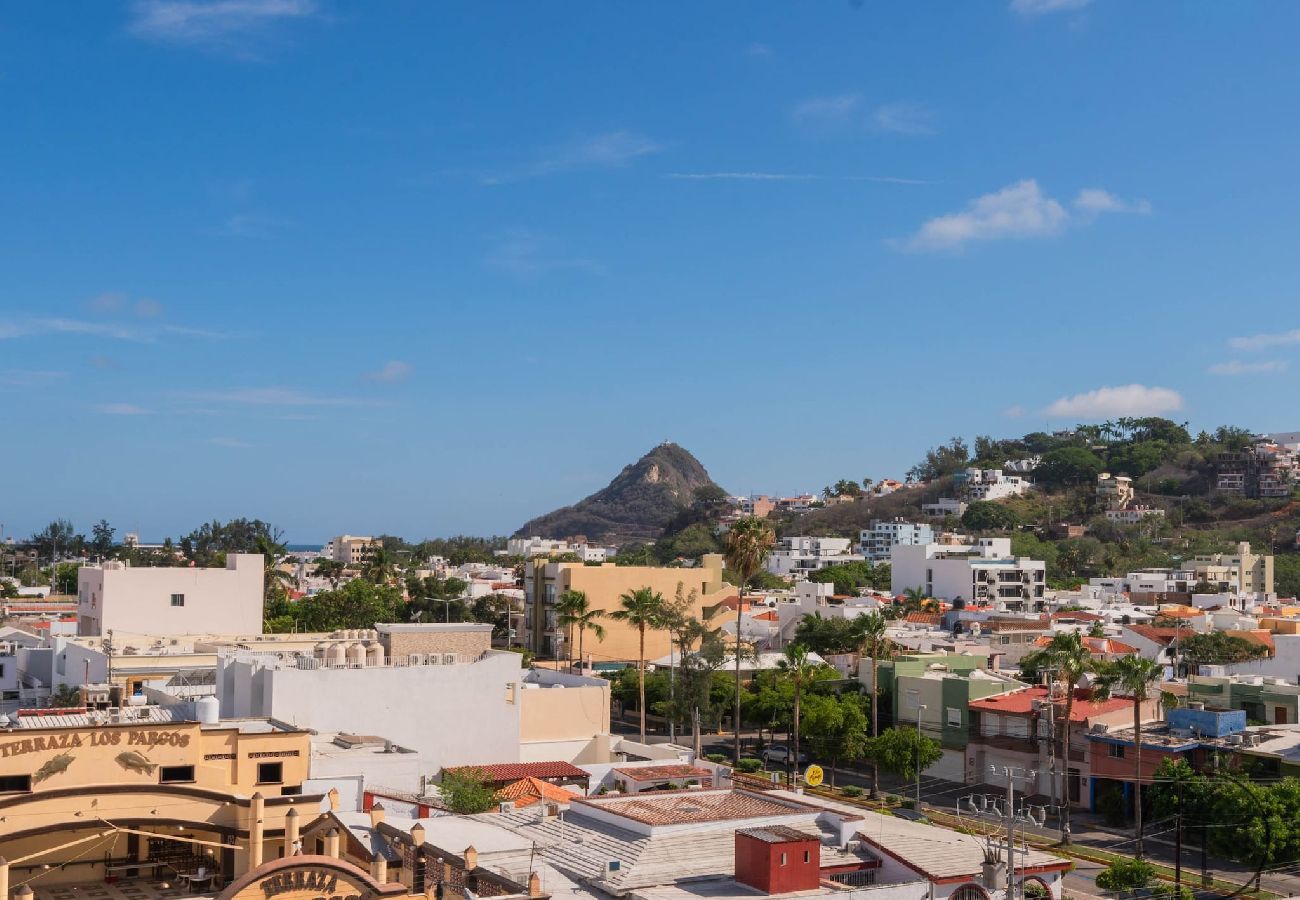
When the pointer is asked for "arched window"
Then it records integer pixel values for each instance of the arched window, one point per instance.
(969, 892)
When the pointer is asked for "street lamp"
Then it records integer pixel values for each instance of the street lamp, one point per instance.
(920, 709)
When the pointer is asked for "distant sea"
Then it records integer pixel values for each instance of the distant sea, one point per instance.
(303, 548)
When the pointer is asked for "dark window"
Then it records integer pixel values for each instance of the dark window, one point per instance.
(15, 783)
(169, 774)
(294, 789)
(782, 859)
(1117, 751)
(807, 856)
(178, 599)
(270, 773)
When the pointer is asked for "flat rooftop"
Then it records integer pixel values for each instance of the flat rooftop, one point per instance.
(692, 807)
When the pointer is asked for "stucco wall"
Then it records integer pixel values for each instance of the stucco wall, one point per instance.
(138, 600)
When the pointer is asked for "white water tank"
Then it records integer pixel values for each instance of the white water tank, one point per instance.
(336, 655)
(375, 654)
(356, 655)
(208, 710)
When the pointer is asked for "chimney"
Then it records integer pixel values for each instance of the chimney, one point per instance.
(471, 858)
(534, 885)
(334, 799)
(376, 815)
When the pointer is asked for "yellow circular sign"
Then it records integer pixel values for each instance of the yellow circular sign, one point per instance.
(812, 776)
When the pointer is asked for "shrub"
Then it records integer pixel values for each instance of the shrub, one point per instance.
(749, 766)
(720, 758)
(853, 790)
(1111, 806)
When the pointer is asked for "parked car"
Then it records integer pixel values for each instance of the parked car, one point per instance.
(781, 755)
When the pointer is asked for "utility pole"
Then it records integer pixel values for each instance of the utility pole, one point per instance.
(1050, 672)
(920, 709)
(1011, 818)
(1178, 842)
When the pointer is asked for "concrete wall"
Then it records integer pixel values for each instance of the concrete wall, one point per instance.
(139, 600)
(455, 715)
(565, 721)
(468, 640)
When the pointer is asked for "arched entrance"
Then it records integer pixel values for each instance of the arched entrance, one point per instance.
(308, 878)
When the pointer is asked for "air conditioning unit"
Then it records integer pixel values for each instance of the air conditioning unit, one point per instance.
(852, 846)
(505, 806)
(1235, 740)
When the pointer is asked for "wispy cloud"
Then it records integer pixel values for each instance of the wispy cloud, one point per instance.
(903, 118)
(832, 110)
(528, 255)
(758, 49)
(1014, 412)
(1238, 367)
(118, 331)
(238, 26)
(1268, 339)
(103, 362)
(148, 309)
(30, 378)
(251, 226)
(270, 396)
(1018, 211)
(609, 150)
(232, 443)
(787, 176)
(122, 409)
(1126, 400)
(1039, 7)
(390, 372)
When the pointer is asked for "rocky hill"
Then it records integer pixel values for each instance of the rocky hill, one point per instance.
(636, 505)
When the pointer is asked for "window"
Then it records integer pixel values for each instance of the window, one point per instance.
(954, 717)
(782, 859)
(807, 857)
(912, 700)
(270, 773)
(174, 774)
(178, 599)
(1116, 751)
(10, 784)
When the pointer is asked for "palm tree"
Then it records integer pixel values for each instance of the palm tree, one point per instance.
(1071, 660)
(749, 541)
(913, 598)
(870, 632)
(642, 608)
(273, 577)
(379, 565)
(801, 671)
(1132, 676)
(574, 611)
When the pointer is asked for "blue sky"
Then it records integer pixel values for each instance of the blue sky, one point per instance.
(435, 268)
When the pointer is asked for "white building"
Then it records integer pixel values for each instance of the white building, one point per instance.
(167, 601)
(989, 484)
(985, 571)
(876, 542)
(800, 555)
(348, 549)
(945, 506)
(1133, 515)
(1115, 491)
(529, 547)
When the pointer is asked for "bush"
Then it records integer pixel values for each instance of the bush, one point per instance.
(720, 758)
(749, 766)
(853, 790)
(1111, 806)
(908, 804)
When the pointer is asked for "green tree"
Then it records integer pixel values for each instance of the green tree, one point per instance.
(837, 727)
(101, 538)
(65, 697)
(796, 667)
(1216, 648)
(1069, 465)
(358, 604)
(1126, 876)
(379, 565)
(823, 636)
(466, 791)
(871, 633)
(55, 539)
(1072, 661)
(901, 750)
(643, 610)
(748, 544)
(946, 459)
(1132, 676)
(574, 610)
(987, 515)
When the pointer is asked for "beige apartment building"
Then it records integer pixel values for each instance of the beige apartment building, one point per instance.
(544, 582)
(349, 549)
(1243, 571)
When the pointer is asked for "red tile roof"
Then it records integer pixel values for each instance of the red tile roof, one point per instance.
(527, 791)
(1079, 616)
(664, 773)
(925, 618)
(508, 772)
(1095, 645)
(1160, 634)
(1022, 703)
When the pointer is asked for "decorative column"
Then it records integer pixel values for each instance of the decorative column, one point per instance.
(256, 830)
(332, 843)
(291, 832)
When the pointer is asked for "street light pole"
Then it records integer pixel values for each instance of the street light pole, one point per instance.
(920, 709)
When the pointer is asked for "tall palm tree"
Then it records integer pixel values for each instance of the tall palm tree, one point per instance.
(1132, 676)
(379, 565)
(574, 611)
(643, 609)
(796, 666)
(1071, 660)
(749, 541)
(870, 632)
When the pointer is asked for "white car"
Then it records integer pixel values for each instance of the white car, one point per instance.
(781, 755)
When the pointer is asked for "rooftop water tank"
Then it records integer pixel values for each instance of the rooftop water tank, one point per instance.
(375, 654)
(356, 655)
(336, 655)
(208, 710)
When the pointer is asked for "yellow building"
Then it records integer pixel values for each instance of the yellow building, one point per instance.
(95, 798)
(1243, 571)
(544, 582)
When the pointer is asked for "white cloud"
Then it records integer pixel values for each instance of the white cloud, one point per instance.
(1127, 400)
(122, 409)
(758, 49)
(1238, 367)
(610, 150)
(137, 333)
(30, 378)
(1096, 201)
(391, 372)
(826, 110)
(214, 23)
(1020, 210)
(1039, 7)
(1014, 412)
(109, 301)
(1270, 339)
(903, 118)
(251, 226)
(270, 396)
(785, 176)
(148, 309)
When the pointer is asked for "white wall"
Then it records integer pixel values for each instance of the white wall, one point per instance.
(465, 714)
(139, 600)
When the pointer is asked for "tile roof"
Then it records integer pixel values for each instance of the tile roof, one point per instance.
(1160, 634)
(692, 806)
(508, 772)
(924, 618)
(1095, 645)
(657, 773)
(527, 791)
(1022, 703)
